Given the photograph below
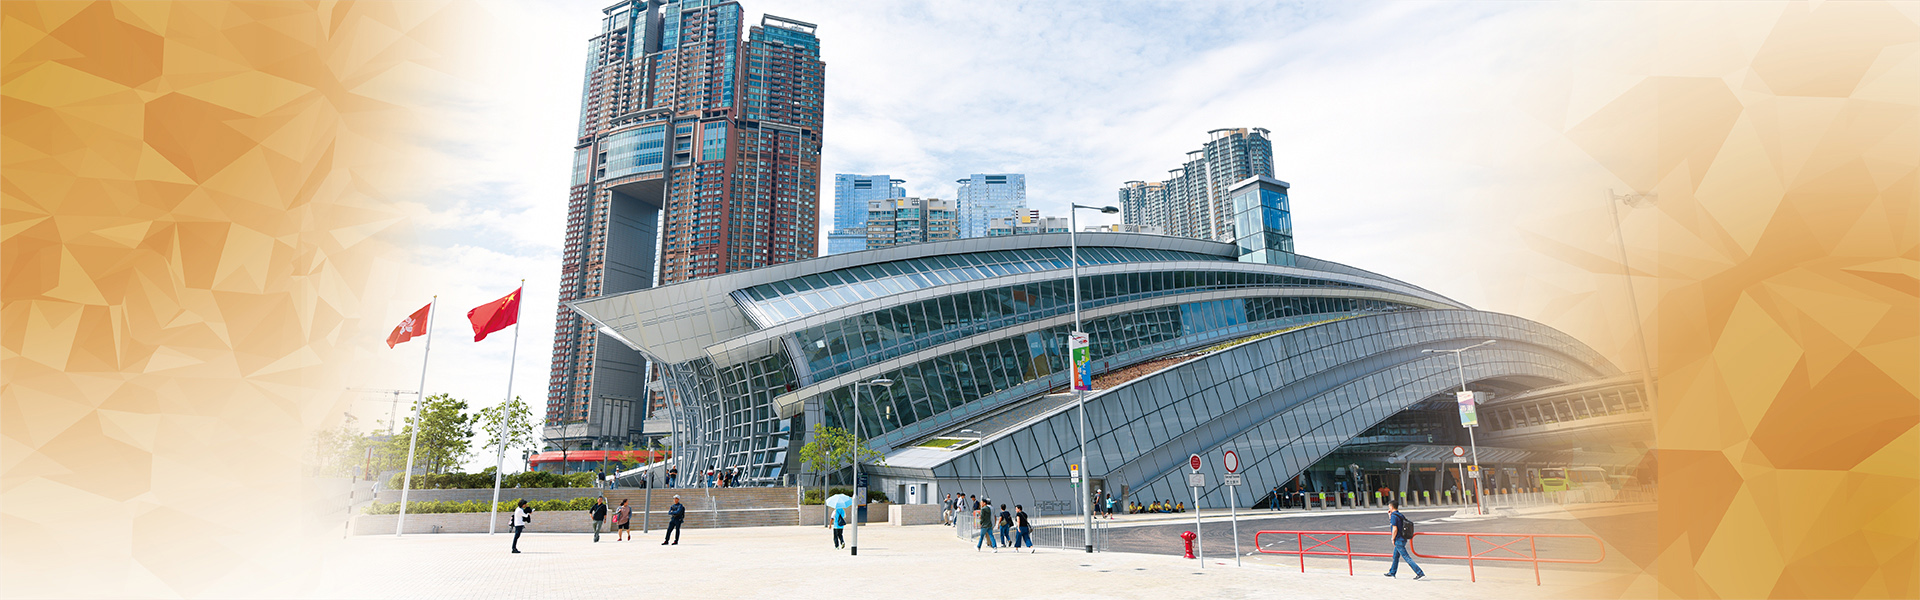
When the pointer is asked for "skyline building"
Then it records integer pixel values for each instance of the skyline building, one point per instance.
(983, 197)
(1026, 222)
(901, 221)
(1194, 200)
(851, 193)
(698, 154)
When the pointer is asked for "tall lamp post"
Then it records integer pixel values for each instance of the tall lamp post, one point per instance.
(858, 490)
(1635, 200)
(1478, 503)
(1080, 395)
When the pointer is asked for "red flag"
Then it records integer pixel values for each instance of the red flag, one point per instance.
(414, 326)
(496, 315)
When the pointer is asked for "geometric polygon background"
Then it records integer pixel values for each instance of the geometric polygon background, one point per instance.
(1783, 261)
(195, 197)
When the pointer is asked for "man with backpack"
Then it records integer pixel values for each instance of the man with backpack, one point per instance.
(1402, 534)
(839, 527)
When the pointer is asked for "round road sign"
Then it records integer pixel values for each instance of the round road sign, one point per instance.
(1458, 451)
(1194, 461)
(1232, 459)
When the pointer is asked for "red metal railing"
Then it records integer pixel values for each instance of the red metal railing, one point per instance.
(1340, 543)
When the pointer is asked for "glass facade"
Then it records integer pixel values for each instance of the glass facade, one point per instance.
(952, 381)
(1281, 403)
(787, 300)
(847, 344)
(1263, 222)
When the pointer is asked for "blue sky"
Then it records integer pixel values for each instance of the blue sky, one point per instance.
(1396, 124)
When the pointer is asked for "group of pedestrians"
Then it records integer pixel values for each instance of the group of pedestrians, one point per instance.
(622, 519)
(622, 525)
(996, 527)
(1157, 506)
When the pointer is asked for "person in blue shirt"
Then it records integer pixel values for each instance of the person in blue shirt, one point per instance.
(1402, 533)
(839, 526)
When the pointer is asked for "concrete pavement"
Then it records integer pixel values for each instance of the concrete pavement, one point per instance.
(894, 562)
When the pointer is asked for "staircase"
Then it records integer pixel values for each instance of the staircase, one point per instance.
(714, 508)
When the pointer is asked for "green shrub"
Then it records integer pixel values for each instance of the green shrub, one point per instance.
(484, 480)
(813, 497)
(473, 506)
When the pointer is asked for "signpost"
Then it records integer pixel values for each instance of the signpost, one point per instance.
(1232, 480)
(1197, 480)
(1470, 419)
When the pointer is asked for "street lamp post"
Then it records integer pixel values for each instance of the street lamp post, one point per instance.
(854, 542)
(1080, 395)
(1635, 200)
(1479, 504)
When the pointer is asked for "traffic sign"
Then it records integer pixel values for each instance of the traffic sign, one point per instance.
(1232, 460)
(1460, 459)
(1458, 451)
(1197, 480)
(1194, 462)
(1073, 472)
(1231, 480)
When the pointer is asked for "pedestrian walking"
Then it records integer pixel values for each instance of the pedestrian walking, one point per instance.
(1109, 506)
(1006, 524)
(1022, 529)
(599, 514)
(623, 521)
(1402, 534)
(983, 517)
(839, 527)
(946, 510)
(522, 515)
(676, 515)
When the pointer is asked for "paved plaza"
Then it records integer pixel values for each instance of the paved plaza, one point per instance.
(894, 562)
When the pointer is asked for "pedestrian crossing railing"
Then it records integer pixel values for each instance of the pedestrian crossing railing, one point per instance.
(1491, 547)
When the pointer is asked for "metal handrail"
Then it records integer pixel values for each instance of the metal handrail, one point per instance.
(1340, 543)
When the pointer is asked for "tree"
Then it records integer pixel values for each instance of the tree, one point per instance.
(446, 431)
(518, 420)
(833, 448)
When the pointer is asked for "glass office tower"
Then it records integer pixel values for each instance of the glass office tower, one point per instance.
(985, 197)
(851, 193)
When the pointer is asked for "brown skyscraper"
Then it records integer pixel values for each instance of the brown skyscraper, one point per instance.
(699, 152)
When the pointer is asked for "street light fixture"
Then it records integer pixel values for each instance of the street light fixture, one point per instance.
(1080, 396)
(859, 490)
(1478, 503)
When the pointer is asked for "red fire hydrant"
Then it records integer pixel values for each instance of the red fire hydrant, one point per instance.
(1189, 537)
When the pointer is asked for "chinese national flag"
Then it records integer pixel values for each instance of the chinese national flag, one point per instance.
(494, 316)
(414, 326)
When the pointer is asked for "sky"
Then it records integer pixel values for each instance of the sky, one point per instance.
(1389, 120)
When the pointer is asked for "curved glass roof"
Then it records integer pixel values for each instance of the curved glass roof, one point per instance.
(790, 299)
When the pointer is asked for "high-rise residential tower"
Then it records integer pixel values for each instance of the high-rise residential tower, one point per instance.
(1194, 201)
(985, 197)
(698, 154)
(902, 221)
(851, 193)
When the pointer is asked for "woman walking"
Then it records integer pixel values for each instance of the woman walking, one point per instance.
(622, 520)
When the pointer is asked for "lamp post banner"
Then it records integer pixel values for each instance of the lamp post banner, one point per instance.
(1077, 349)
(1469, 417)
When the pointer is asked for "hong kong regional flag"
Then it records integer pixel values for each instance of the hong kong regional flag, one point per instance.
(494, 316)
(414, 326)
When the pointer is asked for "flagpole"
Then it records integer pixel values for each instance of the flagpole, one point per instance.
(500, 428)
(406, 477)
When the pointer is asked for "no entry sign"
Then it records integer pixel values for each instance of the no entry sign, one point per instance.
(1194, 462)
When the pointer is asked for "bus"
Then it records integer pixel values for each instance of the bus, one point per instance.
(1590, 483)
